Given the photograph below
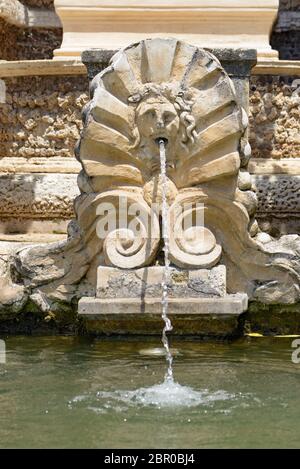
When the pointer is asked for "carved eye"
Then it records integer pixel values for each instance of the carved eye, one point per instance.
(150, 113)
(168, 117)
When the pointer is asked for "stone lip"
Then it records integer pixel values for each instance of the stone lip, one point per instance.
(96, 308)
(217, 317)
(236, 62)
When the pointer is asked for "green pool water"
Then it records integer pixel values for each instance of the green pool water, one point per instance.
(66, 392)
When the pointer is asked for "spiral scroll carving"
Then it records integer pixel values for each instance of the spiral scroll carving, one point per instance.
(136, 244)
(191, 243)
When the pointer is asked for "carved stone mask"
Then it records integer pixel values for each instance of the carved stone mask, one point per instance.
(157, 117)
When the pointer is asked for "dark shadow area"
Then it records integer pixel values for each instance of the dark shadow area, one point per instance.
(285, 36)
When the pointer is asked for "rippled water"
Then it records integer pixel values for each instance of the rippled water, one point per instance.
(70, 392)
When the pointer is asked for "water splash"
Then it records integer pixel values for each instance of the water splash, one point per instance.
(166, 275)
(165, 395)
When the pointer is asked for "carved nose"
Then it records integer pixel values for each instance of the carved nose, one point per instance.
(160, 124)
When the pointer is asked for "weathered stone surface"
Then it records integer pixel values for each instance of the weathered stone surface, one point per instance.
(41, 68)
(200, 326)
(61, 99)
(41, 226)
(29, 29)
(147, 282)
(37, 195)
(278, 225)
(275, 116)
(127, 120)
(42, 116)
(278, 194)
(47, 146)
(270, 319)
(39, 3)
(236, 62)
(12, 297)
(270, 166)
(244, 181)
(29, 43)
(229, 305)
(39, 164)
(51, 195)
(286, 254)
(21, 14)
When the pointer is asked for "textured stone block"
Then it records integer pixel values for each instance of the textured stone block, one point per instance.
(37, 195)
(147, 282)
(42, 115)
(274, 116)
(277, 194)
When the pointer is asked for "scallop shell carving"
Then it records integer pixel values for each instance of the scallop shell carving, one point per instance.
(161, 88)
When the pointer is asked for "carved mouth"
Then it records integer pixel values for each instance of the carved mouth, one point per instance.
(161, 139)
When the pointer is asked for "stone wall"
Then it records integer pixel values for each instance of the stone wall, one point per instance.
(39, 126)
(42, 116)
(27, 44)
(28, 30)
(278, 203)
(275, 136)
(40, 123)
(275, 116)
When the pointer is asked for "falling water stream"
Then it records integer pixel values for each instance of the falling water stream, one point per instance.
(165, 233)
(169, 393)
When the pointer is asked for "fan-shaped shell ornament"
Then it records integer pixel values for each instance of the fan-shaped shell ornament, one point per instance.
(161, 88)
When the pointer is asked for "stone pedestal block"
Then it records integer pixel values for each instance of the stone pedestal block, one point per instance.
(147, 282)
(129, 301)
(190, 316)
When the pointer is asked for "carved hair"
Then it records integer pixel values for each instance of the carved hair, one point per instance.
(182, 105)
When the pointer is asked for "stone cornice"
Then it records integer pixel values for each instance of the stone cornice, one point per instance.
(166, 4)
(207, 23)
(16, 165)
(41, 67)
(69, 165)
(277, 67)
(76, 67)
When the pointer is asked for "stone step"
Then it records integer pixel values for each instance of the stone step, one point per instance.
(190, 316)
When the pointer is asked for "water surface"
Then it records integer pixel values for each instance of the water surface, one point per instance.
(66, 392)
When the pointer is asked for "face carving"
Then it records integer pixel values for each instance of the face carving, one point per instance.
(157, 117)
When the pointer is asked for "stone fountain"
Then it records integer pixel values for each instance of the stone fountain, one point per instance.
(170, 91)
